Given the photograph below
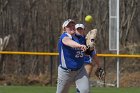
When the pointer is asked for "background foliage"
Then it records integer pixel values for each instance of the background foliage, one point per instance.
(35, 25)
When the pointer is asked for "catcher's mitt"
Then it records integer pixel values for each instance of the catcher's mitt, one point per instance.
(90, 41)
(100, 73)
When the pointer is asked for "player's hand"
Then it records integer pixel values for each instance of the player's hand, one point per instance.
(83, 48)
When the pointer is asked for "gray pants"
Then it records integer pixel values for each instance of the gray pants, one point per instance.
(66, 78)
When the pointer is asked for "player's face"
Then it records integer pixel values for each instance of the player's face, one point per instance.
(70, 28)
(80, 31)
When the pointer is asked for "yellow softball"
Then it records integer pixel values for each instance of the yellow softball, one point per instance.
(88, 19)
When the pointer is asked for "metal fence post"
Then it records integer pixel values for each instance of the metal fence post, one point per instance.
(104, 70)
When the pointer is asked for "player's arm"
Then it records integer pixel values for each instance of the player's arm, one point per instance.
(95, 58)
(69, 42)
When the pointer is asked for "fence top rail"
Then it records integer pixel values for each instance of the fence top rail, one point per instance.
(56, 54)
(120, 55)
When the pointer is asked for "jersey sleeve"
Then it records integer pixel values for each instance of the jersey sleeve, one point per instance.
(93, 53)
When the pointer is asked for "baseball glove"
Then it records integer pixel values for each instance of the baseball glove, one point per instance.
(100, 73)
(90, 41)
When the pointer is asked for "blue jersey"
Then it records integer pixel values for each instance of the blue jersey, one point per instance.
(87, 58)
(82, 39)
(70, 58)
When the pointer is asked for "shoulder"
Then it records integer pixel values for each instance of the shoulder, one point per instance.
(65, 35)
(80, 36)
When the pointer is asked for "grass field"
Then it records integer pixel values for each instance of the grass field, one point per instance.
(44, 89)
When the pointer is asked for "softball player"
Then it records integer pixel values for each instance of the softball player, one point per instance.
(80, 34)
(88, 59)
(71, 55)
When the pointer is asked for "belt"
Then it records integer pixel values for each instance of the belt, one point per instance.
(69, 69)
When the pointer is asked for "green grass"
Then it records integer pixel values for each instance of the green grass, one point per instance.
(44, 89)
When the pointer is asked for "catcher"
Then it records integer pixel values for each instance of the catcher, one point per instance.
(91, 51)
